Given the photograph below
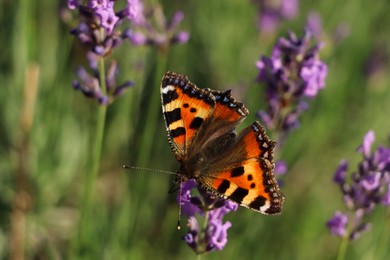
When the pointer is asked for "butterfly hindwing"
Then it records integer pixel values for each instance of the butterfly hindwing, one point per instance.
(246, 173)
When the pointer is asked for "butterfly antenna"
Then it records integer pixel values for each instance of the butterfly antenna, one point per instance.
(180, 195)
(148, 169)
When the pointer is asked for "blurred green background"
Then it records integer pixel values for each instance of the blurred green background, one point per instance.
(47, 131)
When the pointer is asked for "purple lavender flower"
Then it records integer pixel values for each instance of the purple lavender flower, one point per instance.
(216, 234)
(155, 29)
(134, 11)
(271, 13)
(314, 25)
(107, 18)
(368, 140)
(90, 86)
(338, 224)
(292, 74)
(280, 168)
(339, 176)
(213, 208)
(368, 188)
(98, 32)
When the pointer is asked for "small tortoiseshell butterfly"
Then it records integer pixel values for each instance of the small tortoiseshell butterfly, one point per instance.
(201, 131)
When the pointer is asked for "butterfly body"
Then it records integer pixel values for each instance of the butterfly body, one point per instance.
(201, 127)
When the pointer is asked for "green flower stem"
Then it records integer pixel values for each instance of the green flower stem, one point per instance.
(343, 248)
(152, 112)
(345, 241)
(383, 243)
(199, 256)
(95, 163)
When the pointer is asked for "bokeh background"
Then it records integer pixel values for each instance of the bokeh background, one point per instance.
(47, 131)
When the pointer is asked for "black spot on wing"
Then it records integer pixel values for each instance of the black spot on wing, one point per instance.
(239, 194)
(237, 172)
(172, 116)
(224, 186)
(258, 202)
(178, 132)
(196, 123)
(169, 96)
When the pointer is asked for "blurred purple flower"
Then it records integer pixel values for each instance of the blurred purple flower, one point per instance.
(192, 236)
(134, 11)
(386, 198)
(369, 185)
(156, 30)
(107, 18)
(213, 208)
(339, 176)
(272, 12)
(73, 4)
(338, 224)
(292, 74)
(368, 140)
(89, 85)
(314, 25)
(280, 167)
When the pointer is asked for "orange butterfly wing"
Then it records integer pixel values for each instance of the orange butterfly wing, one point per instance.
(250, 182)
(185, 108)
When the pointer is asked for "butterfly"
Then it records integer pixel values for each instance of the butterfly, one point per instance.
(201, 125)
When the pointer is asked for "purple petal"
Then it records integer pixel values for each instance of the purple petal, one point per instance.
(73, 4)
(338, 224)
(314, 24)
(269, 21)
(192, 236)
(386, 197)
(381, 158)
(188, 208)
(371, 181)
(107, 18)
(313, 73)
(368, 140)
(135, 11)
(176, 20)
(181, 37)
(216, 234)
(137, 38)
(289, 9)
(280, 167)
(339, 176)
(97, 4)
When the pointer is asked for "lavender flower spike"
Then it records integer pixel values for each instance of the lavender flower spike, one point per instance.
(213, 208)
(271, 13)
(97, 31)
(368, 188)
(338, 224)
(291, 75)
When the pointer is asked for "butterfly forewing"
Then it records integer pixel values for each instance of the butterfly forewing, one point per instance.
(185, 108)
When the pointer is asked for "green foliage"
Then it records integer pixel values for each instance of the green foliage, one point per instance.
(133, 215)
